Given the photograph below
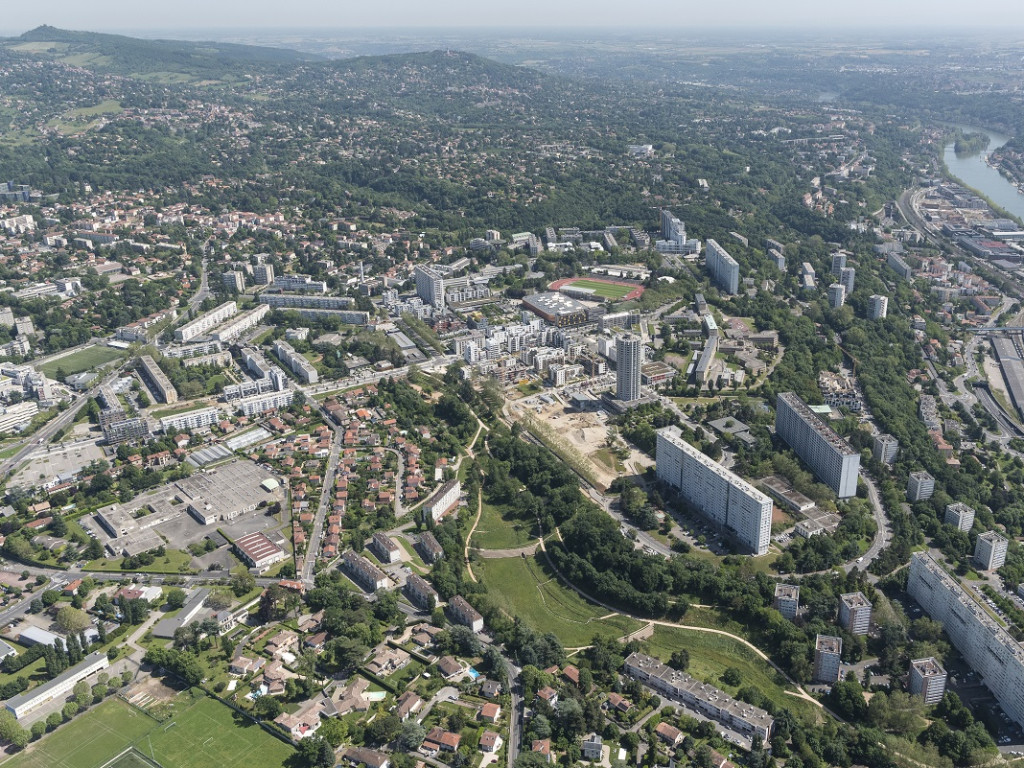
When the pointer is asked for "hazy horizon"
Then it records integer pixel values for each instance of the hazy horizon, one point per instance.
(195, 17)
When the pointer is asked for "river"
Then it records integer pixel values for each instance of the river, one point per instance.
(975, 172)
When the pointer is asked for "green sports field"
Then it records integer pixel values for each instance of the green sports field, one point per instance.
(604, 290)
(82, 360)
(201, 734)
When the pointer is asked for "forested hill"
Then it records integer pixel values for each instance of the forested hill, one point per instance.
(170, 60)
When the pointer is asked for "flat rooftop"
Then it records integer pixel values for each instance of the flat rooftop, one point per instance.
(855, 600)
(812, 420)
(928, 667)
(828, 644)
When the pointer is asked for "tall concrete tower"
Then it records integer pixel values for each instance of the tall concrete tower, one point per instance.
(628, 357)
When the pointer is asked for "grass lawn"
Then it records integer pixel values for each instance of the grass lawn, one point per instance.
(82, 360)
(495, 532)
(602, 289)
(606, 457)
(174, 410)
(711, 655)
(108, 107)
(525, 587)
(172, 562)
(199, 735)
(88, 741)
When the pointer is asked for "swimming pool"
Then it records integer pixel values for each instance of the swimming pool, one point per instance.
(473, 673)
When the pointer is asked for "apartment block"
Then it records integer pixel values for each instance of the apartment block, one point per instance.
(855, 613)
(385, 548)
(960, 516)
(878, 306)
(829, 457)
(363, 572)
(722, 268)
(421, 592)
(629, 355)
(157, 380)
(985, 645)
(990, 551)
(443, 501)
(296, 362)
(828, 652)
(461, 612)
(885, 448)
(787, 600)
(927, 679)
(263, 274)
(836, 295)
(920, 486)
(205, 322)
(718, 494)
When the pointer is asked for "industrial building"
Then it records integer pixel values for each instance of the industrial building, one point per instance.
(829, 457)
(258, 552)
(720, 495)
(985, 645)
(557, 309)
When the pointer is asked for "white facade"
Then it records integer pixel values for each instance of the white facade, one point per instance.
(878, 307)
(885, 448)
(829, 457)
(787, 600)
(836, 295)
(828, 653)
(723, 268)
(62, 685)
(985, 645)
(429, 286)
(960, 516)
(298, 364)
(920, 486)
(855, 613)
(257, 404)
(205, 322)
(717, 493)
(629, 356)
(234, 328)
(200, 419)
(990, 551)
(927, 680)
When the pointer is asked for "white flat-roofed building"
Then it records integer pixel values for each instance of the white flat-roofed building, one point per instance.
(836, 295)
(304, 301)
(722, 268)
(234, 280)
(205, 322)
(429, 286)
(855, 613)
(847, 278)
(385, 548)
(270, 401)
(985, 645)
(717, 493)
(443, 501)
(927, 680)
(828, 652)
(629, 355)
(62, 685)
(960, 516)
(202, 418)
(787, 600)
(263, 274)
(157, 380)
(829, 457)
(990, 551)
(299, 284)
(878, 306)
(236, 326)
(706, 699)
(296, 362)
(920, 486)
(885, 448)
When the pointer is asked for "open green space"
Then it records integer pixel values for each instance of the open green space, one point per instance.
(603, 290)
(175, 561)
(525, 587)
(711, 654)
(175, 410)
(200, 734)
(82, 360)
(108, 107)
(494, 531)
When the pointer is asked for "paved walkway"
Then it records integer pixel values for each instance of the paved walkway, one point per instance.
(497, 554)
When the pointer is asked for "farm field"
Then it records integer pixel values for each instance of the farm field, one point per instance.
(202, 734)
(82, 360)
(525, 587)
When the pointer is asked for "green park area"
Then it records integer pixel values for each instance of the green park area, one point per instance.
(712, 653)
(173, 561)
(496, 531)
(527, 588)
(202, 733)
(83, 360)
(602, 289)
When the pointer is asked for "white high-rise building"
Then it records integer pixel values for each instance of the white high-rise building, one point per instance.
(855, 613)
(717, 493)
(985, 645)
(430, 286)
(787, 600)
(828, 653)
(847, 277)
(263, 274)
(723, 268)
(927, 680)
(885, 448)
(829, 457)
(920, 486)
(878, 306)
(838, 262)
(836, 295)
(960, 516)
(629, 355)
(990, 551)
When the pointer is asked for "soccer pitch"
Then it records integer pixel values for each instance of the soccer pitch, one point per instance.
(198, 736)
(602, 289)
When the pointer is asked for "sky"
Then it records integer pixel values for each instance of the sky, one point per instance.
(137, 15)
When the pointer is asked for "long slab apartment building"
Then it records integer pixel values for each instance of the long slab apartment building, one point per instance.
(720, 495)
(829, 457)
(702, 697)
(985, 645)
